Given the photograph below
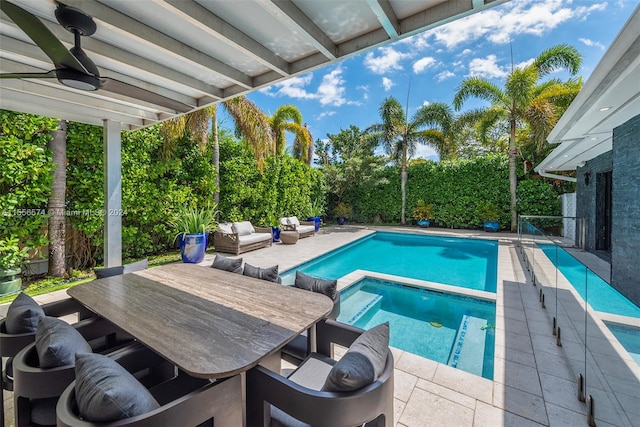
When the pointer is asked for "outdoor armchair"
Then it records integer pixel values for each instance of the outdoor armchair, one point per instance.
(181, 400)
(239, 237)
(12, 343)
(298, 400)
(36, 388)
(304, 228)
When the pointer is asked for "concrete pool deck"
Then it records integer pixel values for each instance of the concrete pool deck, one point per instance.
(534, 380)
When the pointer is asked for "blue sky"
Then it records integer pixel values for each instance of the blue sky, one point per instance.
(436, 61)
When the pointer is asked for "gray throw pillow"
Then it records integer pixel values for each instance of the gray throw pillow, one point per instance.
(221, 262)
(23, 315)
(105, 391)
(363, 363)
(270, 274)
(309, 283)
(58, 342)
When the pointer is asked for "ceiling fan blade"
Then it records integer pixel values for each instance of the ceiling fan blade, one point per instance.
(42, 36)
(122, 88)
(49, 74)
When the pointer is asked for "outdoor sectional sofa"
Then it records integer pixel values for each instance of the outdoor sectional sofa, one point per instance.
(239, 237)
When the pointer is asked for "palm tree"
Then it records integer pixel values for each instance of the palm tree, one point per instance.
(400, 136)
(525, 102)
(440, 135)
(303, 146)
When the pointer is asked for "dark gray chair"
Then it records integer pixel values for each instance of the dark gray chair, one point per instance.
(183, 400)
(296, 401)
(11, 344)
(35, 390)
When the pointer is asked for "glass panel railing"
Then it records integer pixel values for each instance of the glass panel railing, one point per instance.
(596, 327)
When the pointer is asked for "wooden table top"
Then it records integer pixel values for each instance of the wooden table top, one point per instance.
(208, 322)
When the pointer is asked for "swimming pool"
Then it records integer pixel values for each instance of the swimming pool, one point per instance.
(629, 337)
(454, 330)
(601, 296)
(467, 263)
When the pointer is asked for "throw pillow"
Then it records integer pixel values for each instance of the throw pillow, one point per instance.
(244, 228)
(363, 363)
(225, 227)
(270, 274)
(221, 262)
(58, 342)
(309, 283)
(105, 391)
(23, 315)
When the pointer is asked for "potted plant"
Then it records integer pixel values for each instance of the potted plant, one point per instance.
(11, 259)
(423, 213)
(316, 210)
(274, 222)
(489, 213)
(193, 226)
(342, 211)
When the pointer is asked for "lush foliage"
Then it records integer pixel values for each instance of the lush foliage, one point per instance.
(25, 183)
(194, 220)
(422, 211)
(537, 197)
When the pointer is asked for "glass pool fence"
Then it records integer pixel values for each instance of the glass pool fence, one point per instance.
(596, 327)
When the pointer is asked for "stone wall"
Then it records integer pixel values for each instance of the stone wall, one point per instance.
(625, 235)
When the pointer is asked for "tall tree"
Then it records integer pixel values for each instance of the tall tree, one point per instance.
(524, 102)
(288, 118)
(56, 203)
(400, 137)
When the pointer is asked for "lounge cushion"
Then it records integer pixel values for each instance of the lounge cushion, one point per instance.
(105, 391)
(58, 342)
(363, 363)
(309, 283)
(221, 262)
(225, 227)
(23, 315)
(270, 274)
(254, 238)
(243, 228)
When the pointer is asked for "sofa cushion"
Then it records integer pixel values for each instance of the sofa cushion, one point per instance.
(23, 315)
(304, 229)
(225, 227)
(106, 392)
(254, 238)
(363, 363)
(57, 343)
(270, 274)
(221, 262)
(243, 228)
(314, 284)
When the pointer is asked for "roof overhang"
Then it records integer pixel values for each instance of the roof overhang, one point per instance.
(202, 52)
(609, 98)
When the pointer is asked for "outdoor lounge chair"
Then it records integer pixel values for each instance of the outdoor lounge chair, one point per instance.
(297, 400)
(239, 237)
(304, 228)
(12, 343)
(182, 400)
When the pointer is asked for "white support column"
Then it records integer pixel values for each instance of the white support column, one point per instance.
(112, 194)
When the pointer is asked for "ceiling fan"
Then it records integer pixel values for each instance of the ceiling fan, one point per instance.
(73, 67)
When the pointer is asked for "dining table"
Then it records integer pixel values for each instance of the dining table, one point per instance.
(208, 322)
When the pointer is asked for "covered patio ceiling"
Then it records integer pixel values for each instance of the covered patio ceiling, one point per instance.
(198, 53)
(609, 98)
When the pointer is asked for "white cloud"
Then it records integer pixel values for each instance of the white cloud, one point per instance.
(388, 60)
(487, 68)
(466, 52)
(387, 84)
(293, 87)
(444, 75)
(425, 152)
(326, 114)
(589, 42)
(425, 103)
(422, 64)
(331, 90)
(500, 25)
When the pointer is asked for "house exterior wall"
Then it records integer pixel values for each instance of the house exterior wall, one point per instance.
(625, 227)
(586, 195)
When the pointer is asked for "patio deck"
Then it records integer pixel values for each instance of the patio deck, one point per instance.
(533, 383)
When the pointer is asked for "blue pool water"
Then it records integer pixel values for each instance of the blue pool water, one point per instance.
(451, 261)
(450, 329)
(629, 337)
(601, 296)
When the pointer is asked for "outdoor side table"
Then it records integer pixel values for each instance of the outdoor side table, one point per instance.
(289, 237)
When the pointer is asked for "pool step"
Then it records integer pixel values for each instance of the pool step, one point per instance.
(368, 302)
(468, 348)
